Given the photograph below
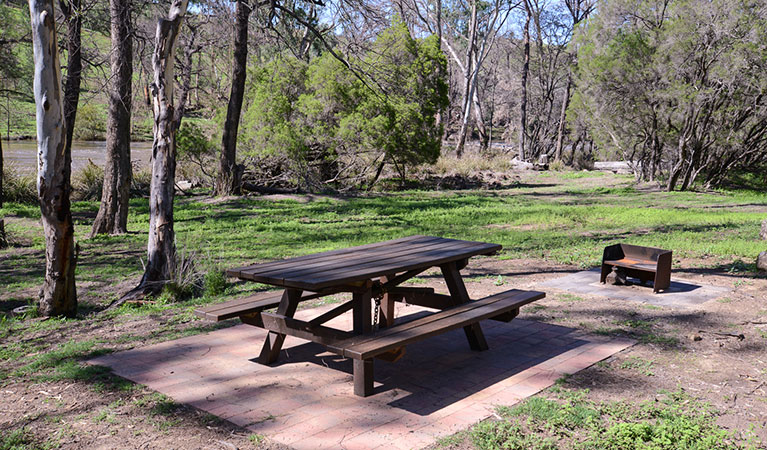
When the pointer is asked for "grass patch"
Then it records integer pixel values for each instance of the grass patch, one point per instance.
(569, 420)
(638, 364)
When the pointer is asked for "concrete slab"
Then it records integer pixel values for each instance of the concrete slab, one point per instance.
(306, 401)
(681, 294)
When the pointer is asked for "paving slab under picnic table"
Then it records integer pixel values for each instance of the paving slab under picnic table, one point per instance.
(306, 401)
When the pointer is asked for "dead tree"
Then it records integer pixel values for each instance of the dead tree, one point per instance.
(58, 295)
(112, 217)
(229, 174)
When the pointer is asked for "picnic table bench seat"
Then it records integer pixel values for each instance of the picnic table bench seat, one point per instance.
(644, 263)
(366, 347)
(241, 306)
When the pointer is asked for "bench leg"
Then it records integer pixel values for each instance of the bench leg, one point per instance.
(363, 377)
(273, 343)
(458, 291)
(606, 269)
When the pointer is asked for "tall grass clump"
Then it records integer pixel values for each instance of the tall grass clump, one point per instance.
(18, 187)
(88, 183)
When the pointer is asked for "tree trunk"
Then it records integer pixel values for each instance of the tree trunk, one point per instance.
(523, 91)
(484, 136)
(161, 248)
(229, 174)
(466, 101)
(562, 119)
(112, 217)
(2, 193)
(58, 295)
(73, 17)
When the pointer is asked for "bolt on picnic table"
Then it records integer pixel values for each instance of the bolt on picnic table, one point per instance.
(370, 272)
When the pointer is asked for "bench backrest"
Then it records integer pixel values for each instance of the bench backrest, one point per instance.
(620, 251)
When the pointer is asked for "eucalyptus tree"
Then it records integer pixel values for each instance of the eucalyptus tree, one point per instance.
(58, 295)
(229, 173)
(161, 246)
(468, 31)
(112, 217)
(579, 10)
(677, 87)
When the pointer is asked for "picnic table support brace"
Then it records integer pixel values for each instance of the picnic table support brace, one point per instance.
(273, 343)
(458, 291)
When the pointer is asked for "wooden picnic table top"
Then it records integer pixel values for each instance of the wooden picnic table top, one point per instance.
(350, 265)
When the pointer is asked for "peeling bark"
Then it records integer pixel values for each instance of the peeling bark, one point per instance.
(161, 248)
(58, 295)
(112, 217)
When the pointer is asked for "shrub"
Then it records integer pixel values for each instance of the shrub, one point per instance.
(186, 281)
(88, 183)
(195, 153)
(90, 123)
(214, 283)
(18, 187)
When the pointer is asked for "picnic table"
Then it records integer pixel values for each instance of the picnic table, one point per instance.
(373, 274)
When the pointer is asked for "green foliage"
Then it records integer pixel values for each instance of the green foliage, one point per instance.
(570, 420)
(191, 142)
(17, 439)
(90, 123)
(675, 86)
(214, 283)
(320, 120)
(490, 435)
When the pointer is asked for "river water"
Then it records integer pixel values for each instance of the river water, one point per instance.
(22, 155)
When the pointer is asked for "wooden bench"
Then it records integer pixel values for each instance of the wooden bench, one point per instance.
(240, 307)
(363, 348)
(644, 263)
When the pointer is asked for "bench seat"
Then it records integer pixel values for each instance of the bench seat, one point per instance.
(641, 264)
(241, 306)
(369, 346)
(645, 263)
(362, 349)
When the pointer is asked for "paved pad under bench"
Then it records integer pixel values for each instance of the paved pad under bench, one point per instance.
(682, 293)
(305, 400)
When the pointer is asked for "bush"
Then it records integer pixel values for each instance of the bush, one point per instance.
(17, 187)
(88, 183)
(195, 153)
(90, 123)
(186, 281)
(214, 283)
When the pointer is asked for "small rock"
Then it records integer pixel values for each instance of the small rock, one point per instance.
(618, 277)
(696, 337)
(761, 262)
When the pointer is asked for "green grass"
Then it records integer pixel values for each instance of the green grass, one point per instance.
(562, 223)
(569, 420)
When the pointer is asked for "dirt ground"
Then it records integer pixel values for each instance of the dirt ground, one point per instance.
(714, 351)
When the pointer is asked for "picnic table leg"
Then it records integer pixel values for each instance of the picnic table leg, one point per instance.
(458, 291)
(361, 314)
(273, 343)
(363, 377)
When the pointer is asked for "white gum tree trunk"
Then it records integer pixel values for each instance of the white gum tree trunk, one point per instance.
(161, 248)
(58, 295)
